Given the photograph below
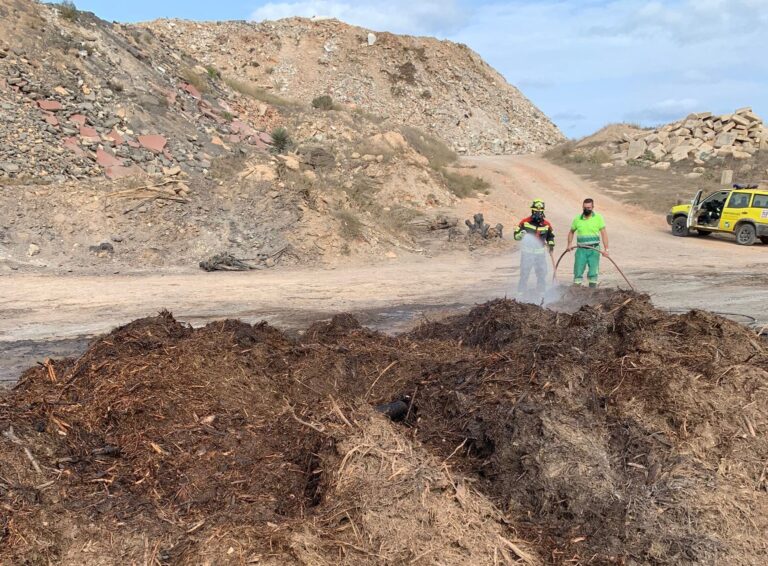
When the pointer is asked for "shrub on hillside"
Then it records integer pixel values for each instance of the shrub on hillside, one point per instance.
(434, 149)
(281, 140)
(68, 10)
(196, 80)
(351, 227)
(464, 186)
(323, 102)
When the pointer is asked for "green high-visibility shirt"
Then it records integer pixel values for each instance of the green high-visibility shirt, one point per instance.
(588, 229)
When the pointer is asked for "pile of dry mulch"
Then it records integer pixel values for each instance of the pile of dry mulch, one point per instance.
(614, 434)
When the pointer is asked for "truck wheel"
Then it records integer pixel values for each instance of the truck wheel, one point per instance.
(745, 234)
(703, 233)
(680, 226)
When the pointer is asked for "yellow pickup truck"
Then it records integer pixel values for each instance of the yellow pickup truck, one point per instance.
(741, 211)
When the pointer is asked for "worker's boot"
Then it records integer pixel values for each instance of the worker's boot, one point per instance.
(593, 285)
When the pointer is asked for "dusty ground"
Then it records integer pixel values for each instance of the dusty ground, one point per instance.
(714, 274)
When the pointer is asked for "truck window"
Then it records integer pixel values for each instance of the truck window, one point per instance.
(760, 201)
(718, 196)
(739, 200)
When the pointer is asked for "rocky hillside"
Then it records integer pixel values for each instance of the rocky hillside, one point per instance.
(120, 152)
(699, 138)
(439, 86)
(82, 98)
(656, 168)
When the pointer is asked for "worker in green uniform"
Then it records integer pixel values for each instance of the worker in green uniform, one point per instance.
(589, 228)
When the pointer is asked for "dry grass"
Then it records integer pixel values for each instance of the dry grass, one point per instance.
(400, 219)
(325, 102)
(68, 10)
(464, 186)
(258, 93)
(366, 147)
(351, 227)
(213, 72)
(598, 157)
(434, 149)
(368, 116)
(362, 193)
(227, 167)
(196, 80)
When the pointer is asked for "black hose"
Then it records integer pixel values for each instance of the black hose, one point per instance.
(602, 253)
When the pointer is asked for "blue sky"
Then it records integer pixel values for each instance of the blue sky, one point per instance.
(585, 63)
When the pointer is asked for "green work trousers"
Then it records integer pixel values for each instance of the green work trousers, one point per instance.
(586, 259)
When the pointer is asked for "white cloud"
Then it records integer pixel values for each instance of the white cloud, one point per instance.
(666, 110)
(569, 116)
(688, 21)
(399, 16)
(534, 83)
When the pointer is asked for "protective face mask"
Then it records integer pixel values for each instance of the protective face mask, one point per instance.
(537, 216)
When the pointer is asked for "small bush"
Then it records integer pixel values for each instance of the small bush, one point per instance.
(599, 156)
(405, 73)
(560, 152)
(464, 186)
(577, 157)
(434, 149)
(213, 72)
(400, 219)
(362, 192)
(194, 79)
(250, 89)
(68, 10)
(351, 227)
(226, 166)
(115, 86)
(323, 102)
(421, 53)
(141, 36)
(367, 147)
(281, 140)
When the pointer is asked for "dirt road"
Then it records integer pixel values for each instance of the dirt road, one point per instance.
(679, 273)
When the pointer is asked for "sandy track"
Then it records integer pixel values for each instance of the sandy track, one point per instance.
(710, 273)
